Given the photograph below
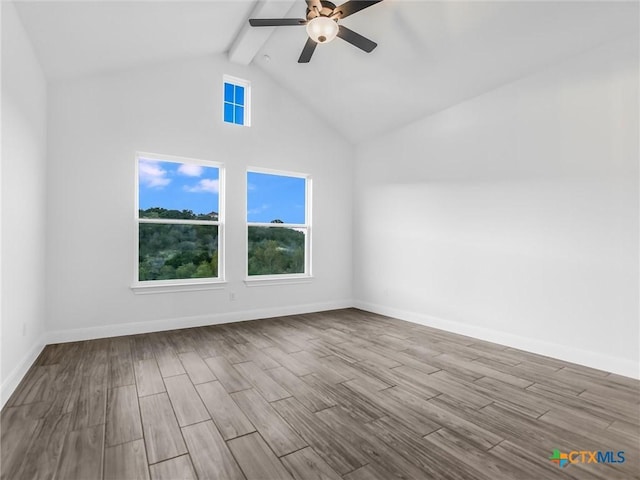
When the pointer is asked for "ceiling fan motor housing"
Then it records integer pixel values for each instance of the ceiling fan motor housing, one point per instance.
(326, 10)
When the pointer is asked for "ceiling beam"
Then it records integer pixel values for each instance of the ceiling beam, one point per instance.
(251, 39)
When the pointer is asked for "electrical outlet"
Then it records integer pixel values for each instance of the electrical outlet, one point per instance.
(24, 329)
(232, 296)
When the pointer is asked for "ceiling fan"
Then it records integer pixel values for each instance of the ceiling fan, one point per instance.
(322, 25)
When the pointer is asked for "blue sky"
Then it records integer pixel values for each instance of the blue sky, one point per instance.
(178, 186)
(271, 197)
(187, 186)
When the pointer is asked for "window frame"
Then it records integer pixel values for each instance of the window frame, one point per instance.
(281, 278)
(179, 284)
(246, 84)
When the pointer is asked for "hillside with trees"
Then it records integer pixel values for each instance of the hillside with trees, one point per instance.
(170, 251)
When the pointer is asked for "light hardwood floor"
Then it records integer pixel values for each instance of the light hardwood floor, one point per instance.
(342, 394)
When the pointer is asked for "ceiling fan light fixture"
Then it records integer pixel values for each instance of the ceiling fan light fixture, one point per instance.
(322, 29)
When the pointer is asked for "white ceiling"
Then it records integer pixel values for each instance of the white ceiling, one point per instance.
(430, 55)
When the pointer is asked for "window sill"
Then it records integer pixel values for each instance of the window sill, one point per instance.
(269, 280)
(149, 289)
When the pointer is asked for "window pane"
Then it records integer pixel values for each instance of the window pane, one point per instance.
(169, 252)
(275, 198)
(275, 251)
(228, 92)
(239, 95)
(177, 190)
(239, 115)
(228, 112)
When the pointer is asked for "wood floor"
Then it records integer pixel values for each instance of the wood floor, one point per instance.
(336, 395)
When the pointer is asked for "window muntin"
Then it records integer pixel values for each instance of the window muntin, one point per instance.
(236, 101)
(179, 217)
(278, 224)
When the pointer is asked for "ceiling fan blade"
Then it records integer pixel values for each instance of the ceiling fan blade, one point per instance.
(276, 22)
(307, 51)
(353, 6)
(356, 39)
(314, 3)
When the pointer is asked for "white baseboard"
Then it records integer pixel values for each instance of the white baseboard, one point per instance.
(566, 353)
(15, 377)
(134, 328)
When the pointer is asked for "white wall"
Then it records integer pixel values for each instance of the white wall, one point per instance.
(97, 125)
(514, 216)
(24, 106)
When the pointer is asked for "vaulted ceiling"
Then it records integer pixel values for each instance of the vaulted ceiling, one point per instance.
(430, 55)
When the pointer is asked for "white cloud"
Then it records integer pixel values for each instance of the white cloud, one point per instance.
(190, 170)
(251, 186)
(152, 175)
(260, 209)
(204, 185)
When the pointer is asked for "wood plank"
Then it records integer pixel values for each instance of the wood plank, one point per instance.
(267, 387)
(120, 363)
(337, 452)
(209, 453)
(352, 371)
(162, 435)
(276, 432)
(409, 458)
(185, 400)
(182, 340)
(123, 416)
(314, 365)
(81, 456)
(250, 351)
(142, 347)
(179, 468)
(288, 361)
(368, 472)
(306, 464)
(228, 376)
(41, 458)
(196, 368)
(491, 467)
(360, 407)
(226, 349)
(148, 377)
(412, 420)
(474, 434)
(169, 364)
(256, 459)
(18, 425)
(226, 414)
(369, 444)
(36, 387)
(443, 382)
(91, 406)
(311, 398)
(126, 461)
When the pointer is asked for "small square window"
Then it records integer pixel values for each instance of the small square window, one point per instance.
(236, 101)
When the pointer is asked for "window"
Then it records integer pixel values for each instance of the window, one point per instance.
(180, 220)
(236, 101)
(278, 224)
